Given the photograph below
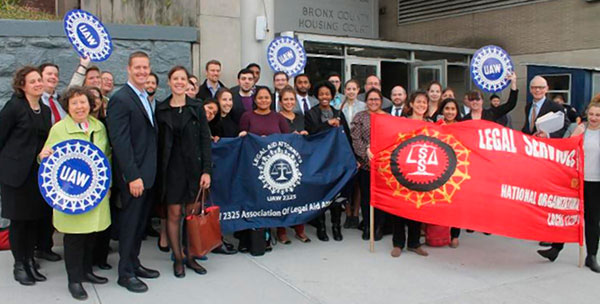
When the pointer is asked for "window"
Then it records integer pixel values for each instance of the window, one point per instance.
(424, 10)
(595, 84)
(559, 84)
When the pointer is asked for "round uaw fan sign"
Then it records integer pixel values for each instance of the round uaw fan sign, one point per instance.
(88, 35)
(75, 178)
(425, 167)
(287, 55)
(490, 66)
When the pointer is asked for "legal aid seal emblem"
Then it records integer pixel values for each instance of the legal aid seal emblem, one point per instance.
(75, 178)
(279, 168)
(287, 55)
(490, 67)
(88, 35)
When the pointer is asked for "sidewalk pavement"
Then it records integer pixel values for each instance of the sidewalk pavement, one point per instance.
(483, 269)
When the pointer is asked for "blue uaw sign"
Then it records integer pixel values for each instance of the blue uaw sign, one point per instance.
(490, 67)
(88, 35)
(75, 178)
(287, 55)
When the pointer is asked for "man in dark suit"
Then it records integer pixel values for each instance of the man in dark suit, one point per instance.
(133, 135)
(398, 95)
(540, 106)
(304, 102)
(212, 84)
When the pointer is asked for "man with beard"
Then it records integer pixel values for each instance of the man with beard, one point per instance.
(242, 94)
(304, 101)
(151, 86)
(280, 80)
(373, 81)
(398, 95)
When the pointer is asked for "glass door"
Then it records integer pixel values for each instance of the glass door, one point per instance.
(427, 71)
(360, 69)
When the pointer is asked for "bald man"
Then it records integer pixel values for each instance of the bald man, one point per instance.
(373, 81)
(540, 106)
(398, 96)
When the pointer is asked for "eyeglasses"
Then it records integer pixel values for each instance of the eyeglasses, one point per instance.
(538, 87)
(474, 99)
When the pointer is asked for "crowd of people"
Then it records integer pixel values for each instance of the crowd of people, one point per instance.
(161, 156)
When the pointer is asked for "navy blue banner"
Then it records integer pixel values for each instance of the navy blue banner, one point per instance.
(278, 180)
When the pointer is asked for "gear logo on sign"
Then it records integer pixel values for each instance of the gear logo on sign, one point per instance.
(425, 166)
(287, 55)
(88, 35)
(490, 66)
(279, 168)
(75, 178)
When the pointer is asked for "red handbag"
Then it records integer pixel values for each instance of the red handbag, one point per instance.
(437, 236)
(4, 243)
(203, 229)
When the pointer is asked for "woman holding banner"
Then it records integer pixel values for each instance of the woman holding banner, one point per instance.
(322, 118)
(80, 230)
(287, 100)
(591, 187)
(24, 126)
(417, 109)
(493, 113)
(361, 139)
(184, 161)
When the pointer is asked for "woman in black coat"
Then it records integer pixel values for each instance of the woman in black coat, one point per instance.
(24, 126)
(184, 160)
(493, 113)
(322, 118)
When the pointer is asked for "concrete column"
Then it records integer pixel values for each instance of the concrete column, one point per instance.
(254, 50)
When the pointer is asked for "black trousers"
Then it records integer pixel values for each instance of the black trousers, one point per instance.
(591, 214)
(414, 233)
(454, 232)
(336, 216)
(132, 225)
(79, 250)
(23, 237)
(45, 232)
(101, 247)
(364, 179)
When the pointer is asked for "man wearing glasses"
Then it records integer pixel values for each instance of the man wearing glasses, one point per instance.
(540, 106)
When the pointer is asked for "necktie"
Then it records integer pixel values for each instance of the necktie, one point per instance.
(305, 105)
(533, 116)
(397, 112)
(54, 109)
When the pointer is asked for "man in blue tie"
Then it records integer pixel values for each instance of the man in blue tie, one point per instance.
(398, 96)
(133, 134)
(304, 101)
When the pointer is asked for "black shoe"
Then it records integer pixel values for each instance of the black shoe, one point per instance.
(151, 232)
(133, 284)
(228, 245)
(337, 233)
(94, 279)
(35, 274)
(366, 235)
(348, 222)
(47, 255)
(77, 291)
(223, 249)
(590, 261)
(551, 254)
(196, 268)
(545, 244)
(178, 269)
(146, 273)
(470, 231)
(378, 233)
(104, 266)
(322, 235)
(21, 275)
(161, 248)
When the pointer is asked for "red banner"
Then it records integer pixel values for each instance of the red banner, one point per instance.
(478, 175)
